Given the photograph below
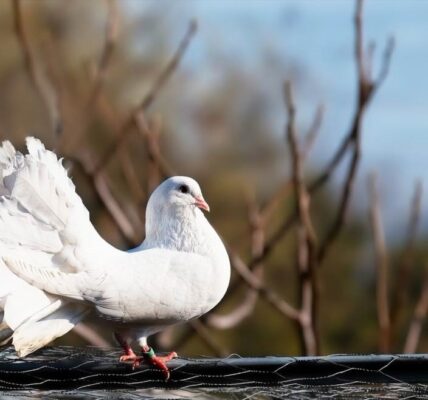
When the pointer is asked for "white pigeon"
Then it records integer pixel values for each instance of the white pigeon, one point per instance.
(55, 269)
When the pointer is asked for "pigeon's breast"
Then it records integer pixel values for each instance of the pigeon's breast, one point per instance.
(178, 288)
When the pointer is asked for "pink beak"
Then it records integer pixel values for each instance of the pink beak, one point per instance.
(202, 204)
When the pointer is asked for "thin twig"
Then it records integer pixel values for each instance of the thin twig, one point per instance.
(206, 337)
(111, 33)
(382, 266)
(419, 315)
(270, 206)
(307, 240)
(258, 218)
(246, 306)
(122, 221)
(406, 260)
(111, 119)
(148, 100)
(276, 199)
(366, 88)
(268, 294)
(38, 78)
(313, 132)
(91, 336)
(151, 138)
(302, 195)
(106, 198)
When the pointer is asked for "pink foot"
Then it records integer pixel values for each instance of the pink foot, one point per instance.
(159, 362)
(129, 356)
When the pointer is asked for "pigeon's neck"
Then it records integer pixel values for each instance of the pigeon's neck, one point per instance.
(181, 229)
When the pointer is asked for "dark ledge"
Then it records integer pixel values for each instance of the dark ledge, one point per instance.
(69, 369)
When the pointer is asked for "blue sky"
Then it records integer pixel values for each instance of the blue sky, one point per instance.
(318, 37)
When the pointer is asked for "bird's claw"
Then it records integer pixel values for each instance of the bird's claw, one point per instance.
(127, 357)
(157, 361)
(136, 362)
(160, 363)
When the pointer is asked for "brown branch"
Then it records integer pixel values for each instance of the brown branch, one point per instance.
(366, 88)
(246, 306)
(313, 132)
(111, 33)
(38, 77)
(191, 328)
(382, 266)
(206, 337)
(148, 100)
(307, 241)
(276, 199)
(91, 336)
(302, 195)
(151, 138)
(339, 220)
(109, 115)
(107, 199)
(269, 295)
(111, 204)
(257, 221)
(406, 260)
(419, 315)
(268, 209)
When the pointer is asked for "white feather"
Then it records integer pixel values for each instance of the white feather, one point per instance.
(20, 228)
(37, 199)
(35, 334)
(51, 280)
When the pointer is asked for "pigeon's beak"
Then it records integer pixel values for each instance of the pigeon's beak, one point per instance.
(202, 204)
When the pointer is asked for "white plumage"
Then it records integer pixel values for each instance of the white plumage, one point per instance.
(55, 269)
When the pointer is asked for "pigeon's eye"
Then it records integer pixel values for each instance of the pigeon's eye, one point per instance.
(183, 189)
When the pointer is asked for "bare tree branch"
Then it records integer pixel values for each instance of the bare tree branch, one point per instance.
(38, 77)
(104, 194)
(271, 205)
(269, 295)
(246, 307)
(258, 218)
(91, 336)
(147, 101)
(366, 88)
(406, 260)
(111, 118)
(307, 240)
(151, 139)
(313, 132)
(111, 33)
(382, 266)
(206, 337)
(419, 315)
(122, 221)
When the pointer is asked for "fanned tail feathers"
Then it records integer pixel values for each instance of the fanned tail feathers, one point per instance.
(37, 201)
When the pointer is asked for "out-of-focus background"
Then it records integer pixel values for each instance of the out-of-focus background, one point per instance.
(132, 91)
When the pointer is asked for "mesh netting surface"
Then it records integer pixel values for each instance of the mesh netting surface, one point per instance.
(91, 374)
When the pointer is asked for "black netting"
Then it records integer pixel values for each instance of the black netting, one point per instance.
(71, 373)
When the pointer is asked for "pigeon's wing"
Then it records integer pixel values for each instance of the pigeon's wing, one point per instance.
(151, 285)
(158, 285)
(37, 203)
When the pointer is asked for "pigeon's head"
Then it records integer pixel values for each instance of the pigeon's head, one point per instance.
(178, 192)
